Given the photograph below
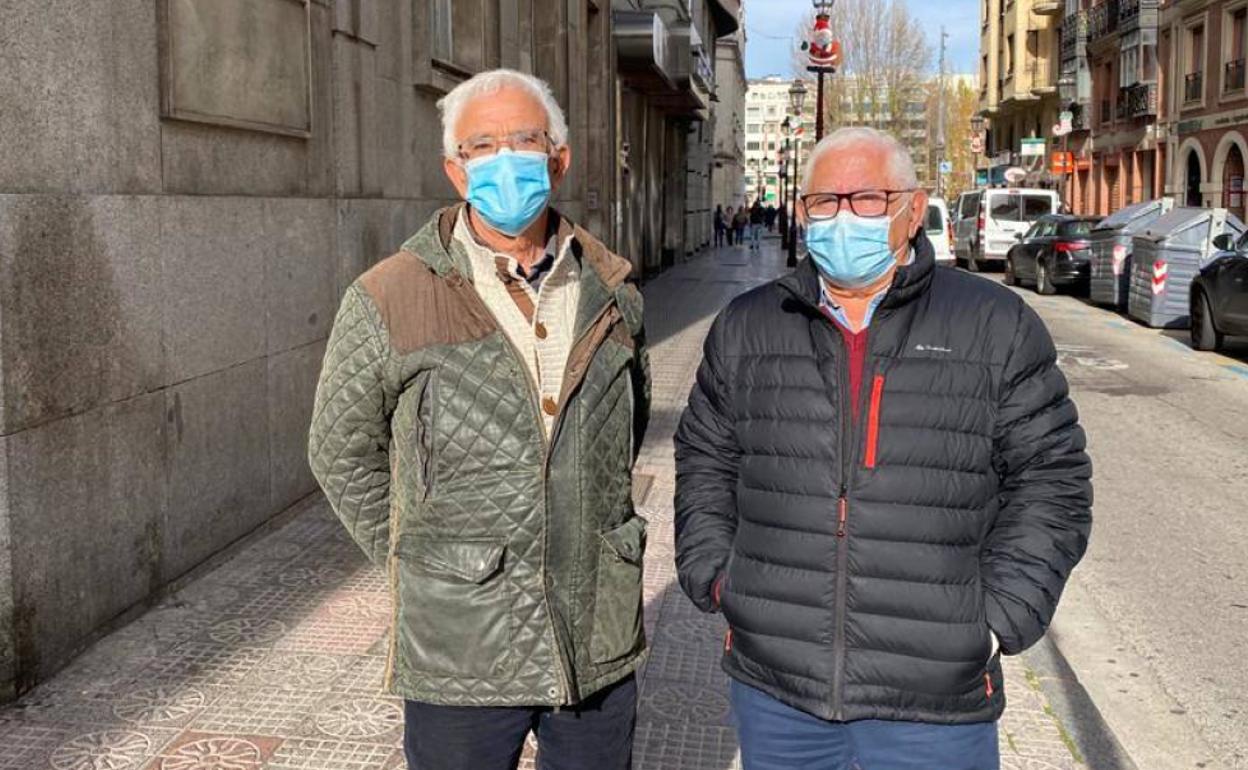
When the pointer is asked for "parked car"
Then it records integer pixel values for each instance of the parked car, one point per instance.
(1167, 256)
(1000, 215)
(939, 230)
(1219, 295)
(965, 217)
(1112, 239)
(1054, 252)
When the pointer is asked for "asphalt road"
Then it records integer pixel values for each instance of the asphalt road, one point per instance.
(1155, 620)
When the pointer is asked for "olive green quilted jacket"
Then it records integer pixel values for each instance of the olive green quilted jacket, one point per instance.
(515, 564)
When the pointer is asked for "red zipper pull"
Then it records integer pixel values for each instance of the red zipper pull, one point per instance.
(842, 516)
(988, 684)
(728, 641)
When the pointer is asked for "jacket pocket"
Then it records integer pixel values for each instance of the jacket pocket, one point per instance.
(618, 607)
(873, 420)
(454, 607)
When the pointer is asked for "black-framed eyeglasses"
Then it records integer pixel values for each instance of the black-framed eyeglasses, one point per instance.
(529, 140)
(864, 203)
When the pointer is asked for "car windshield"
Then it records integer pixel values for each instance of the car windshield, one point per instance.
(934, 221)
(1076, 228)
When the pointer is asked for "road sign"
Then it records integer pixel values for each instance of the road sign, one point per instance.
(1032, 146)
(946, 167)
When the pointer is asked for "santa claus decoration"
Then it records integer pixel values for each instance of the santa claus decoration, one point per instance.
(824, 52)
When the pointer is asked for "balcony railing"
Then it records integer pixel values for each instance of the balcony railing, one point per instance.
(1080, 117)
(1120, 109)
(1074, 35)
(1102, 20)
(1141, 100)
(1042, 80)
(1128, 10)
(1233, 76)
(1193, 86)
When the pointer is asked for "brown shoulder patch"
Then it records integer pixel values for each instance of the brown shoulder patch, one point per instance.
(421, 309)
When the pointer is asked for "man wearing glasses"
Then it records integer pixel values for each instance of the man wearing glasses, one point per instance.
(881, 483)
(483, 396)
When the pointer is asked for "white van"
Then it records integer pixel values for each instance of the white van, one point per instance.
(991, 220)
(939, 230)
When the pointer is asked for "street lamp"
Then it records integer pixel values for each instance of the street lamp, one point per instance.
(797, 98)
(783, 217)
(977, 129)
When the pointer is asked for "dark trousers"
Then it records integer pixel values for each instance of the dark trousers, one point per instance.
(774, 736)
(595, 735)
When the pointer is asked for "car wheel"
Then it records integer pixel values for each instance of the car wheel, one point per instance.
(1044, 284)
(1204, 335)
(1010, 279)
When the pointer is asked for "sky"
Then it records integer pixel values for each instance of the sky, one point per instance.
(770, 24)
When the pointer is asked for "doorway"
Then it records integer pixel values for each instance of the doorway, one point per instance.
(1233, 182)
(1191, 195)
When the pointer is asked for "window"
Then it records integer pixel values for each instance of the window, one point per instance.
(754, 111)
(1009, 55)
(1195, 48)
(1036, 206)
(1076, 228)
(458, 34)
(934, 222)
(754, 128)
(754, 146)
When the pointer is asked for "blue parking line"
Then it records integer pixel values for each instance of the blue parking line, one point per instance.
(1239, 369)
(1175, 343)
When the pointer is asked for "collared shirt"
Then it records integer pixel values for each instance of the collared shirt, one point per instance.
(837, 313)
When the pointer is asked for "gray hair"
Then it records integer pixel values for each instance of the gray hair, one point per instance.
(900, 166)
(487, 83)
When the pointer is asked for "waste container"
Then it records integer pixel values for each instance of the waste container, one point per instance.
(1111, 250)
(1167, 256)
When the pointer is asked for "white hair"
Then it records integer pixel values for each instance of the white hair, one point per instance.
(900, 166)
(487, 83)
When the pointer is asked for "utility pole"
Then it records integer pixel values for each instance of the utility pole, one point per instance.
(940, 118)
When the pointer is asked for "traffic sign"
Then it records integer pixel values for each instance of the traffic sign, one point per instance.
(946, 167)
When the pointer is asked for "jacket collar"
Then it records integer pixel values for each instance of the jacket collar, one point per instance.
(603, 282)
(909, 282)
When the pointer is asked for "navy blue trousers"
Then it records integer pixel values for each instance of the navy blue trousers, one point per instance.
(774, 736)
(595, 735)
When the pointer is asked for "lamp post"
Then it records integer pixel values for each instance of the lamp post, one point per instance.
(783, 216)
(823, 8)
(797, 98)
(977, 137)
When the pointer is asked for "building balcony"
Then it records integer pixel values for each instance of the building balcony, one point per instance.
(1140, 100)
(1233, 76)
(1102, 20)
(1043, 76)
(1193, 87)
(1046, 7)
(1074, 36)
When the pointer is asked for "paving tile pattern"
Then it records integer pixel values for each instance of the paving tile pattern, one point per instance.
(275, 658)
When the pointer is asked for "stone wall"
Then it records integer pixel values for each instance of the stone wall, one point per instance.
(186, 188)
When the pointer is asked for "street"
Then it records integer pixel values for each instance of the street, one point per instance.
(1155, 617)
(272, 656)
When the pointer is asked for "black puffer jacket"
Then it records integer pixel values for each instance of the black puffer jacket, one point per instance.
(865, 562)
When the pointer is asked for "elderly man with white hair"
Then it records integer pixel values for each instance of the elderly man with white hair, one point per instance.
(482, 399)
(881, 483)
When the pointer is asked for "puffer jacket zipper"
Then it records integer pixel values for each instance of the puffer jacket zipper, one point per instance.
(842, 535)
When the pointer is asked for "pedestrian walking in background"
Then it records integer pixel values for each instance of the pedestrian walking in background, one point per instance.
(483, 396)
(740, 221)
(770, 217)
(730, 219)
(782, 220)
(721, 225)
(882, 492)
(757, 219)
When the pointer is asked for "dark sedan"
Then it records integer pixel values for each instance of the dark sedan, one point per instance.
(1054, 252)
(1219, 298)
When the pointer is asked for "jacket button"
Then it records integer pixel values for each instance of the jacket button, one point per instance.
(540, 330)
(549, 406)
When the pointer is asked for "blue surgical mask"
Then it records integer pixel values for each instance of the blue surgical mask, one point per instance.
(509, 190)
(851, 251)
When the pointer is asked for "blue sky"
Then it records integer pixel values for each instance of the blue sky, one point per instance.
(769, 24)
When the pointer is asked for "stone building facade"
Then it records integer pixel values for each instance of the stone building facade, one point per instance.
(186, 188)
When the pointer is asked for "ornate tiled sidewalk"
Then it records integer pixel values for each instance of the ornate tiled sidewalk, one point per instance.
(274, 659)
